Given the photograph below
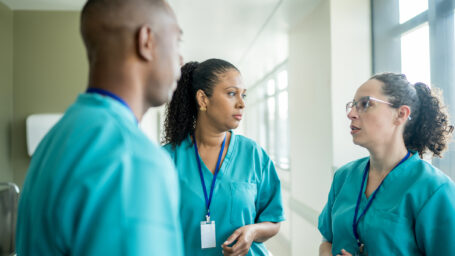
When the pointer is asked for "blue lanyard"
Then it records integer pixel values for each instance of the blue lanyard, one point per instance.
(112, 95)
(208, 200)
(357, 220)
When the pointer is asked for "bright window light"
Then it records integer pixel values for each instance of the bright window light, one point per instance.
(282, 80)
(410, 8)
(271, 87)
(415, 54)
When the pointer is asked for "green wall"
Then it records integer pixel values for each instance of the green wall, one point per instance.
(6, 91)
(50, 70)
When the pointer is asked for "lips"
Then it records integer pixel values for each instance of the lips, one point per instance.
(354, 129)
(238, 117)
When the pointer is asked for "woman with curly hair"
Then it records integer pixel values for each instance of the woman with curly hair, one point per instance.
(230, 191)
(392, 202)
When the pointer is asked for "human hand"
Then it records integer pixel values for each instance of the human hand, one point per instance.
(243, 238)
(344, 253)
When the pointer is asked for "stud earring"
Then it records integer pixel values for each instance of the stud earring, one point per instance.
(202, 108)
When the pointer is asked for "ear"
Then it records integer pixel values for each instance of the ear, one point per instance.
(145, 43)
(202, 99)
(403, 114)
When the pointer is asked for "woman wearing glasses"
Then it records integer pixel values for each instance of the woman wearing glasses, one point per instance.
(392, 202)
(230, 191)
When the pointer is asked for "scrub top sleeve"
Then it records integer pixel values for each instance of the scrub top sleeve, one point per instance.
(435, 222)
(138, 209)
(154, 223)
(269, 204)
(325, 218)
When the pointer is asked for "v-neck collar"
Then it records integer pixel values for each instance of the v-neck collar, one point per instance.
(226, 161)
(391, 176)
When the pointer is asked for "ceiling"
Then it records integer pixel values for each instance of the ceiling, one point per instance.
(235, 30)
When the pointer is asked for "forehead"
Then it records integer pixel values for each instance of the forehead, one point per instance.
(372, 88)
(230, 78)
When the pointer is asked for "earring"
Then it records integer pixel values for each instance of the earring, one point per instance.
(202, 108)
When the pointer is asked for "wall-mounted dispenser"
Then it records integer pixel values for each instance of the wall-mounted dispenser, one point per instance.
(36, 128)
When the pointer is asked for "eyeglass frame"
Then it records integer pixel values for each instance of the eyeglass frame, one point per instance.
(351, 104)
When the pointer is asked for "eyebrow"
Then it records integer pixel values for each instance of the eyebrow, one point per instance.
(361, 98)
(234, 87)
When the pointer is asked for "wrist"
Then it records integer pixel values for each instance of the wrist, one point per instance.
(254, 231)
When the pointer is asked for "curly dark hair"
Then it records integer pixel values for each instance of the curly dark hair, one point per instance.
(182, 111)
(429, 128)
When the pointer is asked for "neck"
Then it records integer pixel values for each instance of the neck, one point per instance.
(384, 159)
(119, 81)
(208, 136)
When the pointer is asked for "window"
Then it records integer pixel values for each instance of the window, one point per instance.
(410, 8)
(267, 106)
(416, 37)
(415, 54)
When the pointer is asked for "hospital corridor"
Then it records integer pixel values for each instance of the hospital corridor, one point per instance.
(215, 127)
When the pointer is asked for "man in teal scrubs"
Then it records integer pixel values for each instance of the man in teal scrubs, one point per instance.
(96, 185)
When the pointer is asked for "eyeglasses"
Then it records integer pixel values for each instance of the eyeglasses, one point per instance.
(363, 104)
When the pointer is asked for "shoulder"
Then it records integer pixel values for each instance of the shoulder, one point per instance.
(350, 168)
(184, 147)
(348, 172)
(428, 177)
(171, 149)
(250, 146)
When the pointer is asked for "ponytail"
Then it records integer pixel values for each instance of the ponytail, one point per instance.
(181, 112)
(432, 130)
(429, 128)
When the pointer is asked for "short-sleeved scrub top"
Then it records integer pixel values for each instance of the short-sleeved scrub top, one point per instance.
(247, 191)
(413, 212)
(98, 186)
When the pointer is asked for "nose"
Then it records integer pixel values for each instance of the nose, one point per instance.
(352, 114)
(240, 102)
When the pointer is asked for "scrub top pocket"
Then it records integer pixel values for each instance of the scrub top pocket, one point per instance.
(393, 231)
(243, 203)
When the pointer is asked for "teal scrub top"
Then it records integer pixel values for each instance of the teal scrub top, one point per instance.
(247, 191)
(413, 212)
(97, 185)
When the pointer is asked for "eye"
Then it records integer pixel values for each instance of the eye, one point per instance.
(243, 96)
(364, 103)
(232, 94)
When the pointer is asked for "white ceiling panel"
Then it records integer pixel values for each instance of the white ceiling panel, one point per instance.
(252, 34)
(220, 28)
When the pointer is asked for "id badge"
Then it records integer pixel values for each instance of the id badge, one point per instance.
(208, 238)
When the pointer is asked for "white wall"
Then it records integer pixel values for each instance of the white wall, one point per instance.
(311, 124)
(351, 66)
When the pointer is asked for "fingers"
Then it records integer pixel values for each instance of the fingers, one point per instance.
(233, 237)
(344, 253)
(241, 246)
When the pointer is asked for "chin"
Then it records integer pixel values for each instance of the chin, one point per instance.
(158, 101)
(357, 142)
(234, 125)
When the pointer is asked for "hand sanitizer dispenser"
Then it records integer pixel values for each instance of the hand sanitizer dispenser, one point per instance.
(36, 128)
